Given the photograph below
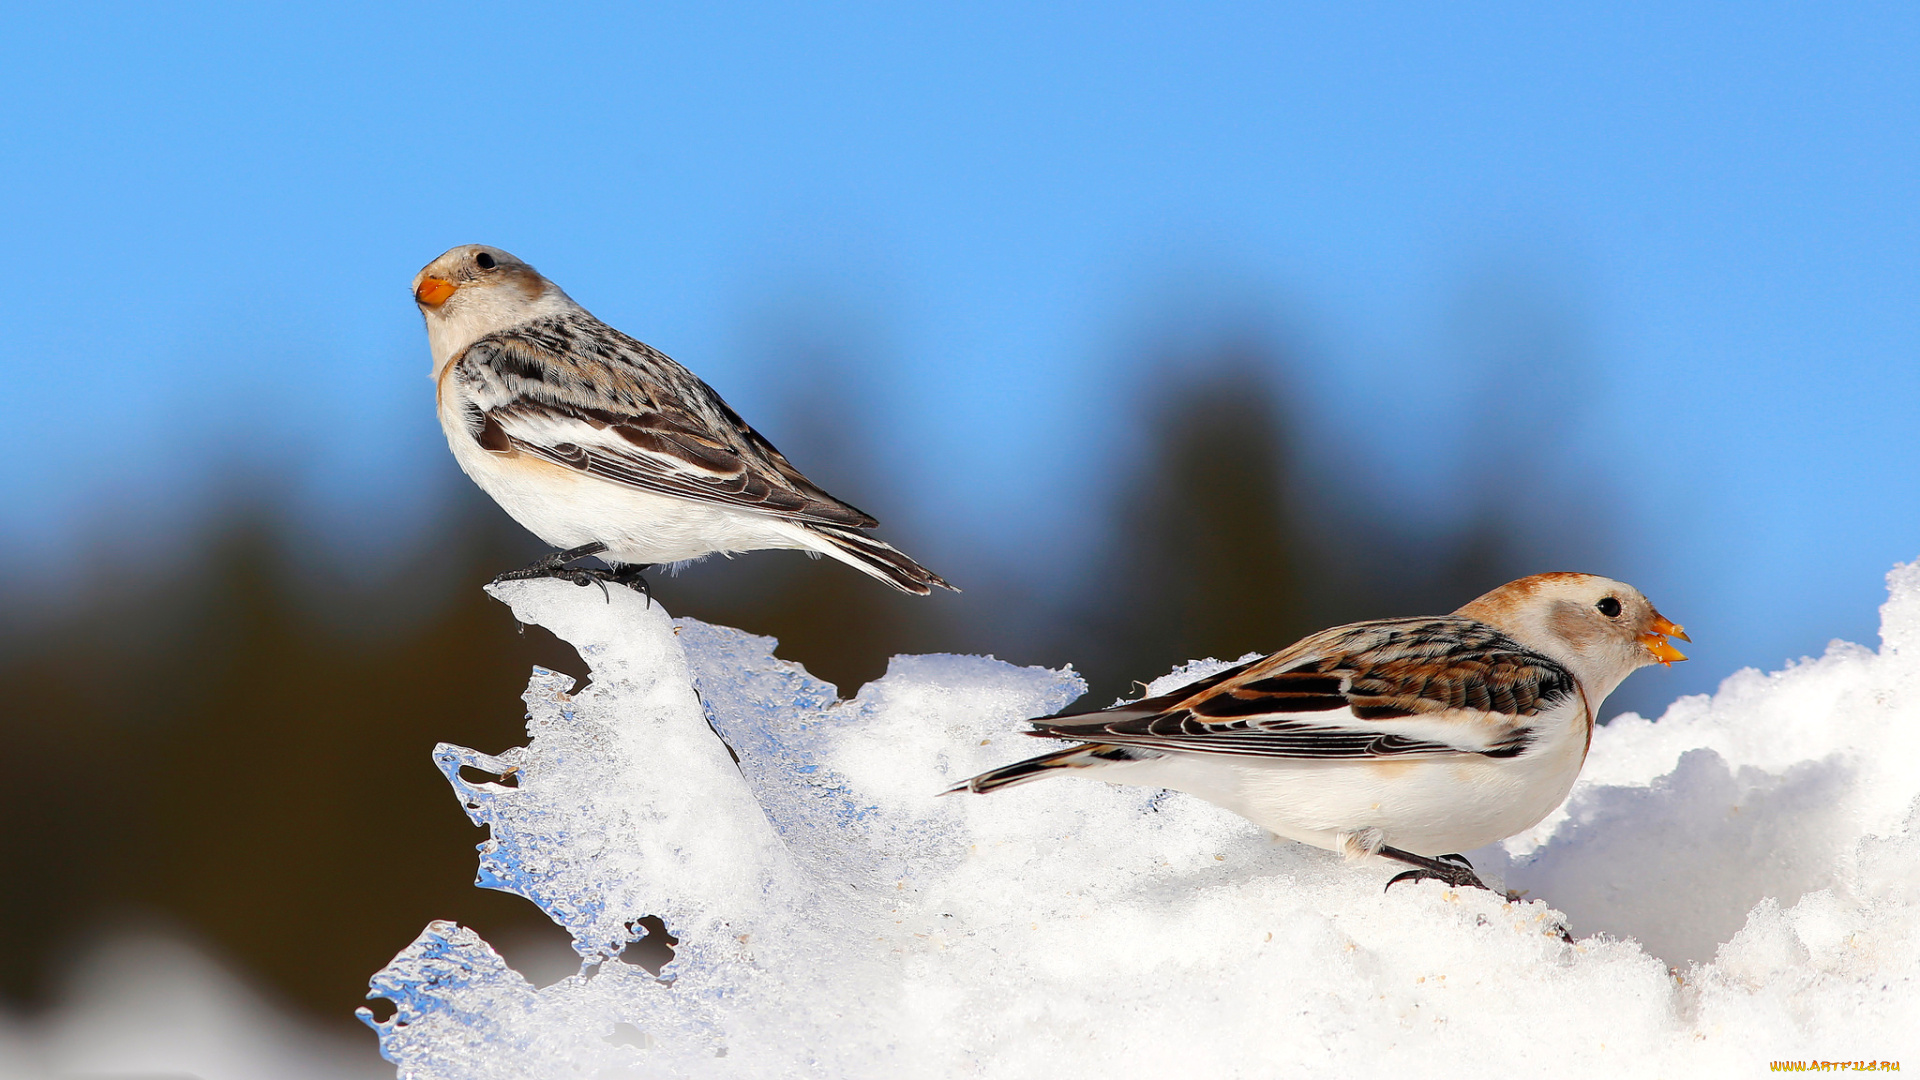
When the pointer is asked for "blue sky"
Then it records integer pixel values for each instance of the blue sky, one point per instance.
(996, 212)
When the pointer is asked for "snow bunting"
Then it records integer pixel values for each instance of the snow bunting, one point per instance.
(602, 445)
(1412, 739)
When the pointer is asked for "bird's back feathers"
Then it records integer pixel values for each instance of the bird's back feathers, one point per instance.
(572, 390)
(1390, 688)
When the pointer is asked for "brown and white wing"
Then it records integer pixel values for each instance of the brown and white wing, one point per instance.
(1382, 689)
(582, 395)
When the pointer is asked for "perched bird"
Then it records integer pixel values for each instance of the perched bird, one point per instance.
(1413, 739)
(602, 445)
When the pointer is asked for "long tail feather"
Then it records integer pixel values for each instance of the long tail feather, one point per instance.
(1034, 768)
(875, 557)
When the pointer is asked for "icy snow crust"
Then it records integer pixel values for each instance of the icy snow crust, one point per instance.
(1742, 880)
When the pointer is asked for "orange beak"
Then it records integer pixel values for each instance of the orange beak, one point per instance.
(433, 291)
(1656, 640)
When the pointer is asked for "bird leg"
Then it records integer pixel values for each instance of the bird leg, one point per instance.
(1455, 870)
(555, 566)
(546, 565)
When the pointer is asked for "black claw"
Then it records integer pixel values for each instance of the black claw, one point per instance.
(1456, 871)
(1452, 869)
(1459, 879)
(584, 577)
(630, 576)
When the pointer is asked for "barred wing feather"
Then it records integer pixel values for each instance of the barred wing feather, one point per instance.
(1383, 689)
(604, 412)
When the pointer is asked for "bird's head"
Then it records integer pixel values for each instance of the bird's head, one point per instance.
(1602, 629)
(475, 290)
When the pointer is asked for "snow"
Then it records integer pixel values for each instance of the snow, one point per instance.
(1741, 881)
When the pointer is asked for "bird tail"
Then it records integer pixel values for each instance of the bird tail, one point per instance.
(1035, 768)
(875, 557)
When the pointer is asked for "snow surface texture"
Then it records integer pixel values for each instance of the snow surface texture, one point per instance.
(1742, 880)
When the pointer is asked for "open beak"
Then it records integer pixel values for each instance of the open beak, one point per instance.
(1656, 640)
(433, 291)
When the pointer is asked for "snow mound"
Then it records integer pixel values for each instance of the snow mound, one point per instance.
(1742, 880)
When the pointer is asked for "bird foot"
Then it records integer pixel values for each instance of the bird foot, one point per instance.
(1458, 877)
(555, 566)
(630, 576)
(1454, 870)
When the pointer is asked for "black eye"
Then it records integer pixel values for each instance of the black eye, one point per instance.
(483, 260)
(1609, 607)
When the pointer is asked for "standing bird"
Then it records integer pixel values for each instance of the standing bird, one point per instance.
(1413, 739)
(602, 445)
